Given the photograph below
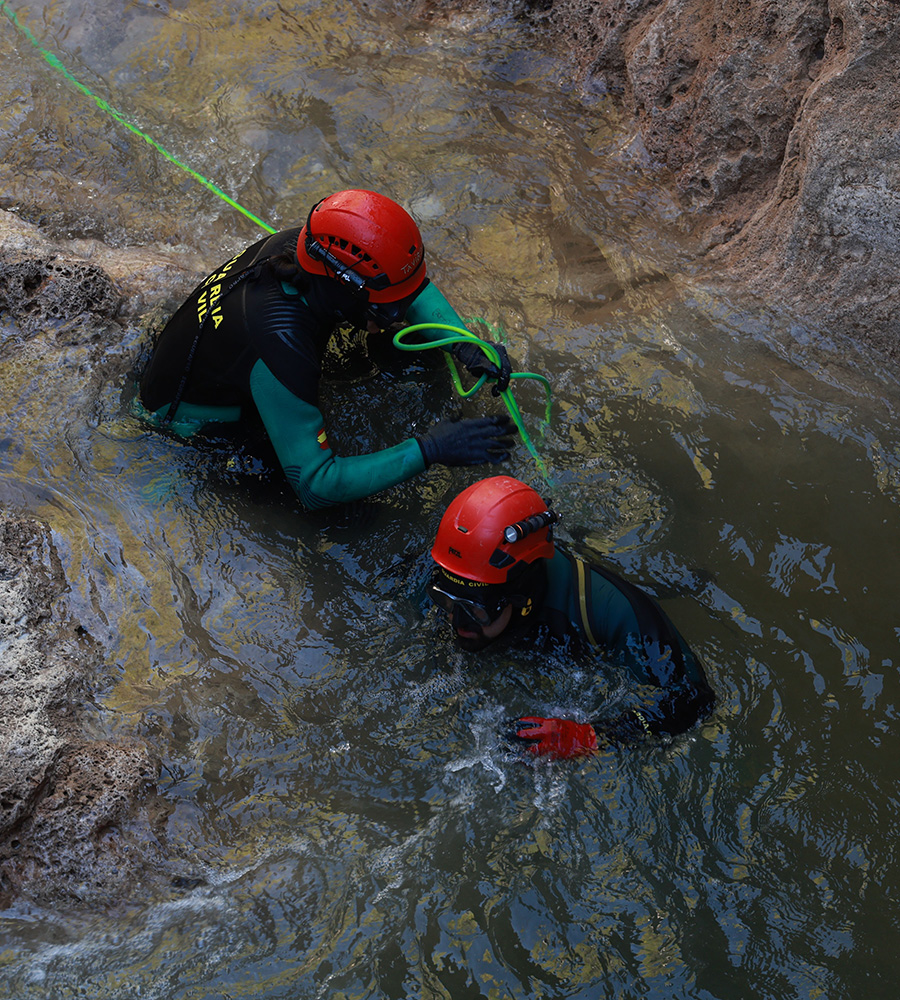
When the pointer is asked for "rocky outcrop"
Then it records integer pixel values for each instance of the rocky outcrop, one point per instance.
(780, 125)
(78, 817)
(49, 285)
(828, 238)
(80, 820)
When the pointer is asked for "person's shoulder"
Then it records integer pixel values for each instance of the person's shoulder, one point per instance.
(591, 562)
(561, 571)
(566, 560)
(582, 576)
(283, 241)
(561, 560)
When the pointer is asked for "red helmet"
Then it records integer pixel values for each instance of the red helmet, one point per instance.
(492, 526)
(365, 240)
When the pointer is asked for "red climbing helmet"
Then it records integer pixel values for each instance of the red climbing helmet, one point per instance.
(492, 526)
(365, 240)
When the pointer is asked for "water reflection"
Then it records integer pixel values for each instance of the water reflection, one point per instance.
(346, 820)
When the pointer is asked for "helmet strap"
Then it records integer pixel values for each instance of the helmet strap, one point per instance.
(343, 272)
(528, 586)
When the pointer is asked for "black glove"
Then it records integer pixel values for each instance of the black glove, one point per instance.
(477, 363)
(468, 442)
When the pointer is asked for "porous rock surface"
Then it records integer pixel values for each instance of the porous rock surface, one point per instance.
(779, 122)
(57, 285)
(78, 818)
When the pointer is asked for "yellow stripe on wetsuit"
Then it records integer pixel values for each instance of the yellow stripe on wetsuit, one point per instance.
(581, 572)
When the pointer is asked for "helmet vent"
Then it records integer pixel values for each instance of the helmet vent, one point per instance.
(368, 233)
(350, 247)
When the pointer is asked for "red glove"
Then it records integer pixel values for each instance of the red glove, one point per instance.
(555, 738)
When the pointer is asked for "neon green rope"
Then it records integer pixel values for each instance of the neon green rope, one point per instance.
(457, 335)
(53, 61)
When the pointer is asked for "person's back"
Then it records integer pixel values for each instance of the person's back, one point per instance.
(252, 335)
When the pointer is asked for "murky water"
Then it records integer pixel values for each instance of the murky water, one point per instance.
(337, 787)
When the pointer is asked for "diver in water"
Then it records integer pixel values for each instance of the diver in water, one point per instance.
(500, 573)
(250, 340)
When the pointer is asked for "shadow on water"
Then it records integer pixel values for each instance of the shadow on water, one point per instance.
(348, 821)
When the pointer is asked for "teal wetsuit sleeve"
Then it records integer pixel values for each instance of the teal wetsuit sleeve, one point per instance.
(318, 476)
(430, 306)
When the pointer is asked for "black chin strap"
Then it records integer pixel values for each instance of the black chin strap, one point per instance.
(343, 272)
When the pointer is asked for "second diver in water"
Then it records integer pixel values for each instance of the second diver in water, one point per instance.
(500, 574)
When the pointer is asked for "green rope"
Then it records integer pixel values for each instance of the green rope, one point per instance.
(457, 335)
(53, 61)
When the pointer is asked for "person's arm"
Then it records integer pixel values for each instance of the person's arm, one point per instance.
(676, 697)
(430, 306)
(675, 694)
(320, 478)
(669, 708)
(626, 619)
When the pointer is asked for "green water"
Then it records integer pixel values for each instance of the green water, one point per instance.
(330, 761)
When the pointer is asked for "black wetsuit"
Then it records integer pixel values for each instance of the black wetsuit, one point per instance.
(259, 347)
(576, 599)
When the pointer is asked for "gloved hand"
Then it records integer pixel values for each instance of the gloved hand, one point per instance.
(477, 363)
(468, 442)
(555, 738)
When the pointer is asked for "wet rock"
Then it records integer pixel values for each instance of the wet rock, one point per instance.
(780, 125)
(828, 238)
(78, 816)
(41, 288)
(48, 283)
(38, 292)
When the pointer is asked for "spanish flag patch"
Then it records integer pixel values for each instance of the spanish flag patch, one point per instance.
(322, 438)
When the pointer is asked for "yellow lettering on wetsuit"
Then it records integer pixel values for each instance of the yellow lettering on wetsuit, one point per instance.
(215, 293)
